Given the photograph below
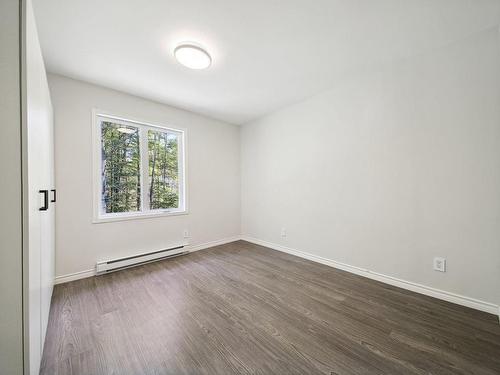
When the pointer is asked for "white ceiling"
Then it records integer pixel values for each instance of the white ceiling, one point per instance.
(266, 53)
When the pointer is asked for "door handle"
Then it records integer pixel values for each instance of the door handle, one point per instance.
(45, 206)
(53, 200)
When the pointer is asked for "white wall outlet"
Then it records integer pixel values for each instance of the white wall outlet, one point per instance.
(186, 233)
(283, 232)
(440, 264)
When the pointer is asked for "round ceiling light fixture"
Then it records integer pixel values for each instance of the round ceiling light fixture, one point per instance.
(192, 56)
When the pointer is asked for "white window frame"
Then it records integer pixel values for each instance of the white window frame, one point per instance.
(145, 212)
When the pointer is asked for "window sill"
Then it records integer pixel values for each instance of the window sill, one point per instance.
(138, 216)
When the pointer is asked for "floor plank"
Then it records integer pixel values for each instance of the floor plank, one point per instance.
(241, 308)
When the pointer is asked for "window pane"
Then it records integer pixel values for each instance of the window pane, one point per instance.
(121, 172)
(163, 169)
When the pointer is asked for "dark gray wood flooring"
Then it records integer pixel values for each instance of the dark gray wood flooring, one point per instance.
(244, 309)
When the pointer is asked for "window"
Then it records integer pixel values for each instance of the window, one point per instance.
(139, 169)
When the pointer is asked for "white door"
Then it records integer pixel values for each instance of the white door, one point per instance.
(40, 145)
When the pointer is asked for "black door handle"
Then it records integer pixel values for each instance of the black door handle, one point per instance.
(45, 206)
(53, 200)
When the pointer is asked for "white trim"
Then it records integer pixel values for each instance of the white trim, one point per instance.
(74, 276)
(138, 215)
(404, 284)
(408, 285)
(98, 217)
(206, 245)
(190, 248)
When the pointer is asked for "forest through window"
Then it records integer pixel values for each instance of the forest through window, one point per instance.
(140, 168)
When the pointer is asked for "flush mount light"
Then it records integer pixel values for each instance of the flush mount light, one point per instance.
(192, 56)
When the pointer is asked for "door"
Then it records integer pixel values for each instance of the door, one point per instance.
(40, 180)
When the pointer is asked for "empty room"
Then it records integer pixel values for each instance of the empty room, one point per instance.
(250, 187)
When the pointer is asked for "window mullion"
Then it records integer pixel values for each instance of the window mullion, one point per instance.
(144, 169)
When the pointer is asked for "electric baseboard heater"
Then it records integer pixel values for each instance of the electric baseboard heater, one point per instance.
(136, 260)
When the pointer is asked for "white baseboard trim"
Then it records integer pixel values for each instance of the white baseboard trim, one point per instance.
(414, 287)
(206, 245)
(190, 248)
(74, 276)
(404, 284)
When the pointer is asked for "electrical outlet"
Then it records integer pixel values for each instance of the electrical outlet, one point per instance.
(186, 233)
(283, 232)
(439, 264)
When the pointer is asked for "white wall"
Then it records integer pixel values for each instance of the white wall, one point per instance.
(11, 261)
(389, 169)
(213, 178)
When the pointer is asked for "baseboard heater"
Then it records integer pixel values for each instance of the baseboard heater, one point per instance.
(136, 260)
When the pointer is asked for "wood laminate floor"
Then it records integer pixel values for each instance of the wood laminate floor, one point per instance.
(245, 309)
